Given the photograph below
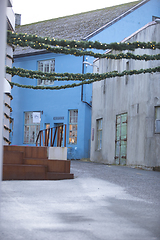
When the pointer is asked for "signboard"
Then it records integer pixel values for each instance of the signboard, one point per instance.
(58, 118)
(36, 117)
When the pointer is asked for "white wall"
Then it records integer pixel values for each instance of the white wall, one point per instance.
(138, 98)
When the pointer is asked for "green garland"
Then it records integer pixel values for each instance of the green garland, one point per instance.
(55, 76)
(106, 75)
(21, 37)
(77, 52)
(77, 48)
(71, 76)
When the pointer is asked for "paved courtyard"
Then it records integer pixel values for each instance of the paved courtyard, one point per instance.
(102, 203)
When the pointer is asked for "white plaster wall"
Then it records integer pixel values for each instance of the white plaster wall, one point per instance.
(138, 98)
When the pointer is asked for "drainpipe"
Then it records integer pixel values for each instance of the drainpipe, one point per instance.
(3, 8)
(82, 89)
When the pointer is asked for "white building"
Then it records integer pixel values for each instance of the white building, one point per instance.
(7, 88)
(126, 110)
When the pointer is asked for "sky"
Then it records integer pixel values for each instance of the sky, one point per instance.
(36, 10)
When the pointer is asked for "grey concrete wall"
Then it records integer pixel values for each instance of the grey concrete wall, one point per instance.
(137, 95)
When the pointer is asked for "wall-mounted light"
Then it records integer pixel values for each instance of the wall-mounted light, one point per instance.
(90, 64)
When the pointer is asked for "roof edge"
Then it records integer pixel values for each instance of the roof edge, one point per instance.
(129, 37)
(114, 20)
(139, 30)
(30, 54)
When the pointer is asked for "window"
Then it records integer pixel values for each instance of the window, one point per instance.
(157, 119)
(46, 66)
(99, 134)
(127, 69)
(73, 122)
(31, 126)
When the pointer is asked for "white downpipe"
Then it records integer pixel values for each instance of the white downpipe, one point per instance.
(3, 9)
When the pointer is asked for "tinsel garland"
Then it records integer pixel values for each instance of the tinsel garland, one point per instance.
(21, 37)
(113, 74)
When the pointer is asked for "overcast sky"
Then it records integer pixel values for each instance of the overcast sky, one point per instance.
(36, 10)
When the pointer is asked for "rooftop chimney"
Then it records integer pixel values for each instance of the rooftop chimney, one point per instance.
(17, 19)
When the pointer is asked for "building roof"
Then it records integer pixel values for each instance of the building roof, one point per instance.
(78, 26)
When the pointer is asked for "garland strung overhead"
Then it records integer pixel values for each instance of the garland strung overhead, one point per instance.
(77, 52)
(71, 76)
(113, 74)
(13, 37)
(56, 76)
(77, 48)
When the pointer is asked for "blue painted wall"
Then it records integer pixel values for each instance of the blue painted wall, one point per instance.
(59, 102)
(53, 103)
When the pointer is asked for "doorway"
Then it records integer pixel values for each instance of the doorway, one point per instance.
(59, 138)
(121, 139)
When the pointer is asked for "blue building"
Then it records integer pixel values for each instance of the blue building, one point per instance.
(71, 106)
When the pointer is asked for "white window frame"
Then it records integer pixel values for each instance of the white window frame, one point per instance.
(46, 68)
(73, 126)
(29, 126)
(99, 123)
(157, 119)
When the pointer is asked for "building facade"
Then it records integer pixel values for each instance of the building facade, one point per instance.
(7, 120)
(72, 107)
(126, 110)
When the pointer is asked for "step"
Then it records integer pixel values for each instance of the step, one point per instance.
(24, 172)
(12, 157)
(35, 161)
(61, 166)
(29, 152)
(59, 176)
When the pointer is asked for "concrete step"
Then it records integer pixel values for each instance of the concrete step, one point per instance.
(24, 172)
(12, 157)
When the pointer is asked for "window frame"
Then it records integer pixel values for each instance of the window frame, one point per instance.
(46, 82)
(29, 125)
(99, 134)
(74, 123)
(156, 119)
